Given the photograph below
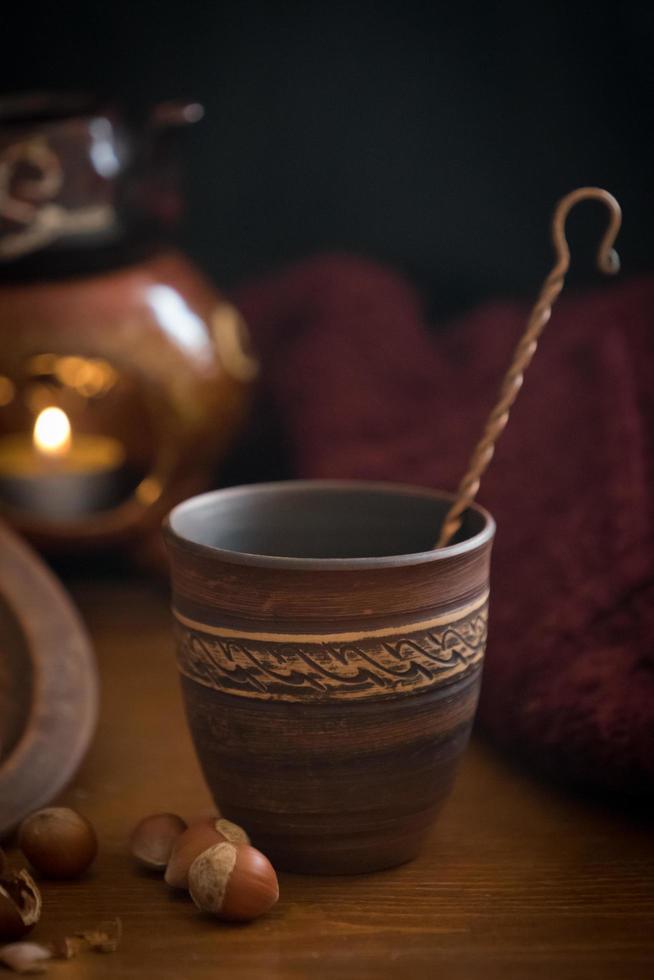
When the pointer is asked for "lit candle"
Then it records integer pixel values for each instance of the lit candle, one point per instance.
(57, 474)
(52, 433)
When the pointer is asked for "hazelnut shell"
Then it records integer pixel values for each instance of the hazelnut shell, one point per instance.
(153, 839)
(25, 957)
(201, 835)
(58, 842)
(233, 882)
(20, 905)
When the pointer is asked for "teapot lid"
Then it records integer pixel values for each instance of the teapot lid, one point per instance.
(80, 174)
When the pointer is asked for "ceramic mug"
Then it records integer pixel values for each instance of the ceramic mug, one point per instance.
(330, 661)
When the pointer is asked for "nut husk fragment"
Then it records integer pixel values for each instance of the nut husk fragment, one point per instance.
(105, 939)
(25, 957)
(20, 905)
(66, 948)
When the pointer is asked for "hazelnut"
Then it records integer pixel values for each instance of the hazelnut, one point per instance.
(153, 838)
(234, 882)
(20, 905)
(201, 835)
(231, 831)
(58, 842)
(3, 862)
(202, 815)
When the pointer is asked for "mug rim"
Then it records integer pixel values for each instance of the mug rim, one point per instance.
(319, 564)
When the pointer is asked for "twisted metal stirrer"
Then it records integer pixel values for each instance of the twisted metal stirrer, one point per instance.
(607, 262)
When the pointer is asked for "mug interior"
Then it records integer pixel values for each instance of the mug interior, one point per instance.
(323, 520)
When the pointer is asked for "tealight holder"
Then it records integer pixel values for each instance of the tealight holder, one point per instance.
(124, 374)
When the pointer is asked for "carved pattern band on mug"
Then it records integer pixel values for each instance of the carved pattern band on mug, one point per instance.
(335, 666)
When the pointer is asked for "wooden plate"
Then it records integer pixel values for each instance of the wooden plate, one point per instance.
(48, 683)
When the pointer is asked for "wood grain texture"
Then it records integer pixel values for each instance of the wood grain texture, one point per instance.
(330, 729)
(516, 881)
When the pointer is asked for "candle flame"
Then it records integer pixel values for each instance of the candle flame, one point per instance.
(52, 434)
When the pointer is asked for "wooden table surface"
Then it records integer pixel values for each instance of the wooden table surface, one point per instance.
(519, 879)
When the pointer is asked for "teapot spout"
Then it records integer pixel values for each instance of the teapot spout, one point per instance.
(176, 112)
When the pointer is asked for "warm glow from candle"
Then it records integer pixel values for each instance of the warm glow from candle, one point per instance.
(52, 435)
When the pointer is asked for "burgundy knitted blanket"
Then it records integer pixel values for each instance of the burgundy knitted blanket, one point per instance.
(365, 391)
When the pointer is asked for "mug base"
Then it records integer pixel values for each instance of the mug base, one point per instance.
(335, 857)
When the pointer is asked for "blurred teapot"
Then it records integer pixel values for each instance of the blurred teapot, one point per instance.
(105, 327)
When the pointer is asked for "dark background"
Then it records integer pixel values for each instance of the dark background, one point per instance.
(433, 136)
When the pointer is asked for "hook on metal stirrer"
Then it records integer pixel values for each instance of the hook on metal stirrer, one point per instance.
(607, 262)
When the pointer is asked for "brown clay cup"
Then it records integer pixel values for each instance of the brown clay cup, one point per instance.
(330, 661)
